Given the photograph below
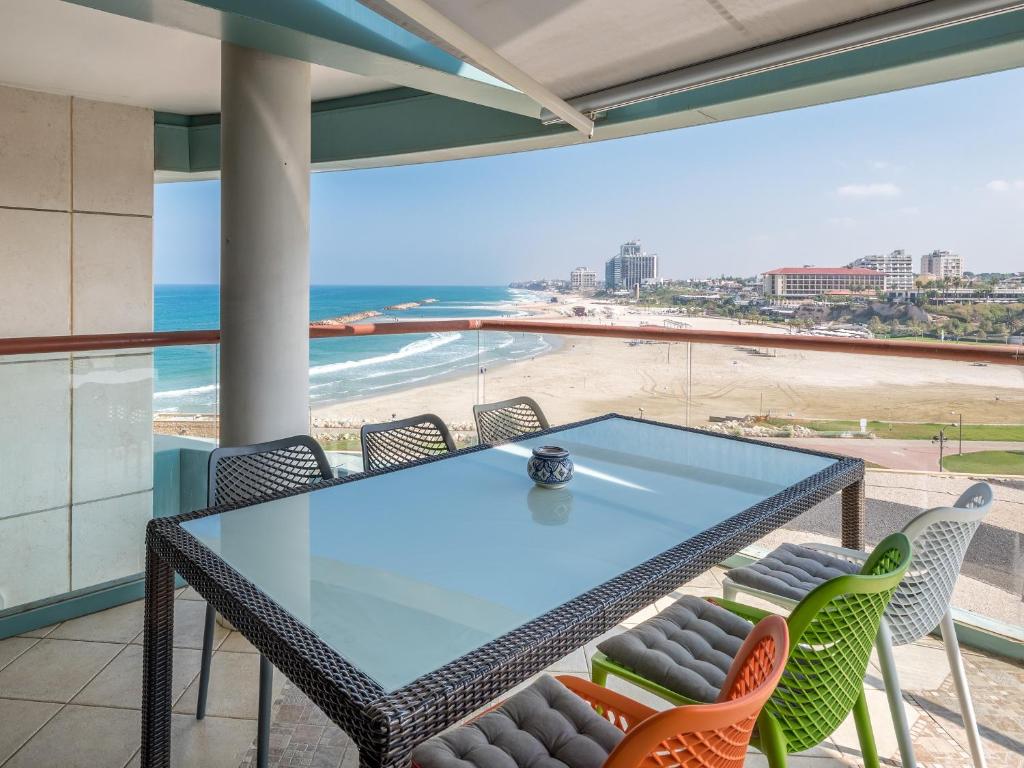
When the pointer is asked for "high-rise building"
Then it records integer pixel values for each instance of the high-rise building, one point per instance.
(630, 267)
(809, 282)
(897, 266)
(583, 279)
(942, 265)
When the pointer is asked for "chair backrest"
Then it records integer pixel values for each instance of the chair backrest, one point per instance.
(940, 538)
(712, 735)
(249, 472)
(498, 422)
(394, 443)
(831, 633)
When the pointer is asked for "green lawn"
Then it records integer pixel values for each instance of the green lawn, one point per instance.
(351, 444)
(901, 431)
(948, 340)
(987, 462)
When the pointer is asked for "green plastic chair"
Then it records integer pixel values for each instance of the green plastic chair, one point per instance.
(832, 631)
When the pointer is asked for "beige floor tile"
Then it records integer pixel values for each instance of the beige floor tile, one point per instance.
(236, 643)
(351, 758)
(213, 742)
(13, 647)
(41, 632)
(19, 720)
(120, 683)
(640, 616)
(55, 670)
(189, 617)
(234, 687)
(713, 590)
(707, 580)
(845, 737)
(189, 620)
(114, 625)
(82, 737)
(800, 760)
(921, 667)
(575, 663)
(188, 593)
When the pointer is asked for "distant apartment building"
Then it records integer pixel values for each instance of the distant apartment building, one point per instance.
(630, 267)
(942, 265)
(897, 267)
(809, 282)
(583, 279)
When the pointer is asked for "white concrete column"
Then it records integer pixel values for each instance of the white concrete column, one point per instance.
(264, 289)
(264, 313)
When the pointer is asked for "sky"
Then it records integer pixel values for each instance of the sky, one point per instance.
(938, 167)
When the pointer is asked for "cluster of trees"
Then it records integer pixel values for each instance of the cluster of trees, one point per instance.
(953, 321)
(986, 321)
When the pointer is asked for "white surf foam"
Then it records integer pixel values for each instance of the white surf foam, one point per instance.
(415, 348)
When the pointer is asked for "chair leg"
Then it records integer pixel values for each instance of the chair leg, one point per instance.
(895, 695)
(866, 736)
(598, 674)
(956, 666)
(728, 590)
(263, 718)
(207, 658)
(772, 741)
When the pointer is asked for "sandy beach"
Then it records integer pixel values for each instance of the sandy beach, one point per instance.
(683, 383)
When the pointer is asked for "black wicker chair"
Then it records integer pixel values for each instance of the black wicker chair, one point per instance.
(394, 443)
(498, 422)
(248, 473)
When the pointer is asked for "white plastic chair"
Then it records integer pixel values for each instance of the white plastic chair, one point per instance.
(940, 538)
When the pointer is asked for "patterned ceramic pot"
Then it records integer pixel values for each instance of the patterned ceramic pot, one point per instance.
(550, 466)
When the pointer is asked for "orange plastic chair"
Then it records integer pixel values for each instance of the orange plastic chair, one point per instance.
(693, 735)
(699, 735)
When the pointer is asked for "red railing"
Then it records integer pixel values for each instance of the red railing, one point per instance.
(997, 354)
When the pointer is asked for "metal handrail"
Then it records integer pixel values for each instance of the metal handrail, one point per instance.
(995, 354)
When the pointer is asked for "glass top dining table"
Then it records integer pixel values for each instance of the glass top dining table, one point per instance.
(405, 574)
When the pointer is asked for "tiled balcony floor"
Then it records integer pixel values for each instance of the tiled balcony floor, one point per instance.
(70, 694)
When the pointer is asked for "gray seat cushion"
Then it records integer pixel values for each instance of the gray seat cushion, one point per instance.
(687, 648)
(544, 726)
(791, 571)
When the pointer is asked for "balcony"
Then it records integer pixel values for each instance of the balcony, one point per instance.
(106, 425)
(70, 671)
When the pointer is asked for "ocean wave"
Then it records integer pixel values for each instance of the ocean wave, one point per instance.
(186, 392)
(493, 349)
(415, 348)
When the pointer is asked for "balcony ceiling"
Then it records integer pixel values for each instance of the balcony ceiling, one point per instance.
(53, 46)
(577, 47)
(401, 92)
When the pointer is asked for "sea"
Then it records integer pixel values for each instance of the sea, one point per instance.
(346, 368)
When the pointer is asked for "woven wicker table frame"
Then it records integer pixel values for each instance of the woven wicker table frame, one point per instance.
(387, 725)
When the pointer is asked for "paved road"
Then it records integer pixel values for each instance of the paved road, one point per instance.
(897, 454)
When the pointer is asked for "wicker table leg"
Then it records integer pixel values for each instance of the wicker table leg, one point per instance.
(371, 755)
(156, 662)
(853, 515)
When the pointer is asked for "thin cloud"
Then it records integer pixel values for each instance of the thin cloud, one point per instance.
(1005, 185)
(881, 189)
(843, 222)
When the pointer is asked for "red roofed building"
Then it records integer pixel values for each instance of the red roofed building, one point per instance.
(808, 282)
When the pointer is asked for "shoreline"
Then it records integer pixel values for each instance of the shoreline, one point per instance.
(688, 384)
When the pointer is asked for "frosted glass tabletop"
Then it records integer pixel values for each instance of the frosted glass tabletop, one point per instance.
(403, 572)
